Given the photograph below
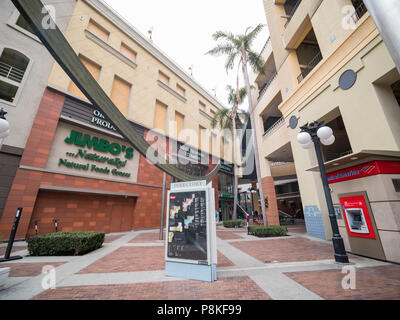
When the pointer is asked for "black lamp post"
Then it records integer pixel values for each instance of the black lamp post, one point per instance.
(311, 134)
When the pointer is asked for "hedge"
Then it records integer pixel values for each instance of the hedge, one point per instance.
(265, 232)
(234, 223)
(65, 243)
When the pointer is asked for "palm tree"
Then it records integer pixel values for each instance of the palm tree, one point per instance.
(231, 119)
(238, 48)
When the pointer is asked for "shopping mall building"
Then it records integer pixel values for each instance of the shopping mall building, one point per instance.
(73, 169)
(326, 61)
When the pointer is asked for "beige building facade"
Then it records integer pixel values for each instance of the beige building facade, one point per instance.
(326, 61)
(143, 82)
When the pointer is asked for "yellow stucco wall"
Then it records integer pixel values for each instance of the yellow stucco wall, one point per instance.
(144, 78)
(370, 117)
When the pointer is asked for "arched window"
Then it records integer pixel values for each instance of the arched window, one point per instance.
(13, 65)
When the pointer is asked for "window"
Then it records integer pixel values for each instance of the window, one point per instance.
(222, 148)
(308, 54)
(180, 90)
(98, 30)
(396, 91)
(163, 78)
(13, 66)
(160, 116)
(120, 94)
(212, 113)
(396, 183)
(21, 22)
(94, 70)
(213, 144)
(202, 106)
(179, 118)
(128, 52)
(202, 137)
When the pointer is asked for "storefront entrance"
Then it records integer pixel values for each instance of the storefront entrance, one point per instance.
(81, 212)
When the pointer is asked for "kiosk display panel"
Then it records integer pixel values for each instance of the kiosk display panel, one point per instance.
(187, 227)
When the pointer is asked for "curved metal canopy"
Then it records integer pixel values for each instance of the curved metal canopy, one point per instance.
(33, 11)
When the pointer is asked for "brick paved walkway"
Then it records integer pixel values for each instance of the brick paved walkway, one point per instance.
(379, 283)
(130, 259)
(27, 269)
(131, 266)
(228, 235)
(238, 288)
(111, 238)
(147, 238)
(286, 250)
(14, 249)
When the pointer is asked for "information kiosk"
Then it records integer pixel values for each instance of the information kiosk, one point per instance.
(191, 250)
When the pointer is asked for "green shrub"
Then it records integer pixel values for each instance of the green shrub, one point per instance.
(265, 232)
(65, 243)
(234, 223)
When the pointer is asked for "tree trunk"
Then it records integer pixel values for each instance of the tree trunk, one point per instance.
(235, 172)
(255, 144)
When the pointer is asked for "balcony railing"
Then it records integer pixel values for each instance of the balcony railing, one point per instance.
(359, 12)
(265, 45)
(305, 72)
(267, 85)
(279, 163)
(275, 127)
(9, 72)
(291, 14)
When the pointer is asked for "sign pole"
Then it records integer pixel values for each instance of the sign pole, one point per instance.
(163, 205)
(12, 238)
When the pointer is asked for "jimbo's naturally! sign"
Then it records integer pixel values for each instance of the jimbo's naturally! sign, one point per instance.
(98, 154)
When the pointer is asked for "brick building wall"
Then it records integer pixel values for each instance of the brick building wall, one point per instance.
(269, 193)
(79, 212)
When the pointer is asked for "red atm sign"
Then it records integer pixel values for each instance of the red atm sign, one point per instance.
(365, 170)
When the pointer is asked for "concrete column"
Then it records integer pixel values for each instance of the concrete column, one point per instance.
(386, 15)
(270, 194)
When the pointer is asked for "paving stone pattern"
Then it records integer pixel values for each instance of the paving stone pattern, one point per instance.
(378, 283)
(238, 288)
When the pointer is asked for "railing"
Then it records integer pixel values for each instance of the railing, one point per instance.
(359, 12)
(265, 45)
(11, 73)
(278, 164)
(267, 85)
(242, 209)
(275, 127)
(314, 62)
(291, 14)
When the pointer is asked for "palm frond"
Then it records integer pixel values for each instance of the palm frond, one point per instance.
(222, 49)
(233, 95)
(255, 62)
(228, 36)
(253, 35)
(230, 62)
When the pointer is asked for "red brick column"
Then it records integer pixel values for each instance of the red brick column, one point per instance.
(270, 194)
(26, 184)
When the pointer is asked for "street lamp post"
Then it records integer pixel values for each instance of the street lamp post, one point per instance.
(311, 134)
(4, 127)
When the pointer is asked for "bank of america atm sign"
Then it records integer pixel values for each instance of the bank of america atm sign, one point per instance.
(365, 170)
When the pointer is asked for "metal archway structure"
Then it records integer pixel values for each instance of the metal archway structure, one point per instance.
(52, 38)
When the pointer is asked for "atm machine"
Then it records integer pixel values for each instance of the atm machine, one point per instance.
(361, 226)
